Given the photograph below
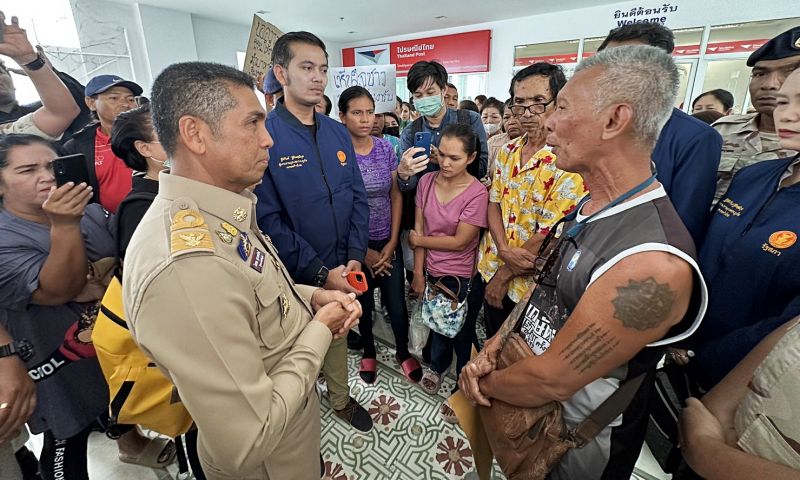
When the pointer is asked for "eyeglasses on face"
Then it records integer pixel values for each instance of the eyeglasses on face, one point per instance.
(536, 108)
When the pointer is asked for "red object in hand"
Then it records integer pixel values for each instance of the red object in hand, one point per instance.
(358, 281)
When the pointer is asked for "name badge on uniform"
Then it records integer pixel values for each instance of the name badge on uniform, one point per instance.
(257, 263)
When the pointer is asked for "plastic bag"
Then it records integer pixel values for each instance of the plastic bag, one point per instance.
(418, 333)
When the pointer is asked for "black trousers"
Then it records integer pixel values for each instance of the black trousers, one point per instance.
(495, 317)
(65, 459)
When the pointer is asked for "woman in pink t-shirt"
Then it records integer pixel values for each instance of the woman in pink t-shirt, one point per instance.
(451, 210)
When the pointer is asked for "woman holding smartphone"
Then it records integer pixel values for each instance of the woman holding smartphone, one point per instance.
(384, 268)
(451, 210)
(55, 251)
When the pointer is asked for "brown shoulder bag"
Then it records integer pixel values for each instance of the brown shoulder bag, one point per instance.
(528, 442)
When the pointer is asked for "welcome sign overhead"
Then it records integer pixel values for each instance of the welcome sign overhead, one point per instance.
(459, 53)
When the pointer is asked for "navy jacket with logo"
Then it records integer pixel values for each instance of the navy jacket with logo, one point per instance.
(751, 262)
(312, 202)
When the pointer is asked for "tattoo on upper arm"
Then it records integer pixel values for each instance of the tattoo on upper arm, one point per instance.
(643, 304)
(588, 347)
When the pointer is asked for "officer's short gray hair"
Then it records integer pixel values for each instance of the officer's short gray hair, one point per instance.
(199, 89)
(641, 76)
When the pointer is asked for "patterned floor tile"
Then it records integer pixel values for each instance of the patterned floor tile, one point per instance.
(409, 440)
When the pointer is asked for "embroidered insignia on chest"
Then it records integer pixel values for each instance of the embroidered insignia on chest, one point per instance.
(240, 214)
(189, 233)
(783, 239)
(230, 229)
(245, 246)
(225, 237)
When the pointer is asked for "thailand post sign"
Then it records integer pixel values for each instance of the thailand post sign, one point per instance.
(459, 53)
(258, 55)
(379, 80)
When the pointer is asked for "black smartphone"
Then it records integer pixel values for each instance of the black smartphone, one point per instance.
(71, 168)
(2, 29)
(423, 140)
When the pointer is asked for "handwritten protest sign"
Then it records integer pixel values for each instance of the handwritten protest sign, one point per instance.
(258, 56)
(378, 79)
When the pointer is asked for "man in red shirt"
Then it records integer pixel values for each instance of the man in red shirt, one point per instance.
(107, 96)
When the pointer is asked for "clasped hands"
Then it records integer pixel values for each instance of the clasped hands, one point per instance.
(469, 382)
(339, 311)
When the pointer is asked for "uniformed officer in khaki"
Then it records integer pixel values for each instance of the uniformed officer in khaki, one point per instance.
(206, 296)
(751, 138)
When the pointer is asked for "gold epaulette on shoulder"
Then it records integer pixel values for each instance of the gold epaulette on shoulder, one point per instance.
(189, 232)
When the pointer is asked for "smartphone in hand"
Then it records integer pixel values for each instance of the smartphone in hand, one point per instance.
(423, 140)
(71, 168)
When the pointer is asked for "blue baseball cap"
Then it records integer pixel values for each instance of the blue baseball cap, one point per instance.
(101, 83)
(271, 84)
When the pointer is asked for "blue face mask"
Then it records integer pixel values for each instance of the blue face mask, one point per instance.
(429, 106)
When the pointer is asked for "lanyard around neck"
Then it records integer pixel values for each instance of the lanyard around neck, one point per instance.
(576, 229)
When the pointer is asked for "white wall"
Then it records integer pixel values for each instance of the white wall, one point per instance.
(595, 21)
(157, 37)
(219, 41)
(112, 28)
(169, 37)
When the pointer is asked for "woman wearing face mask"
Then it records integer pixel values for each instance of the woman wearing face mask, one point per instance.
(451, 208)
(378, 166)
(380, 129)
(510, 128)
(492, 116)
(134, 140)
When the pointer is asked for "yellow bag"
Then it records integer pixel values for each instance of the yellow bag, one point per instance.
(140, 394)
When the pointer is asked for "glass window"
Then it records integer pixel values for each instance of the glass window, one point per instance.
(687, 42)
(731, 75)
(552, 52)
(686, 71)
(745, 38)
(469, 86)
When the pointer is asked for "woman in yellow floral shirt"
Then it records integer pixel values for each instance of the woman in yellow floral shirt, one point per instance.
(529, 194)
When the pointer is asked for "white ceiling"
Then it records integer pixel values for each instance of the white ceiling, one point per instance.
(333, 20)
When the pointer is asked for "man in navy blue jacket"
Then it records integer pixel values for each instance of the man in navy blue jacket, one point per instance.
(688, 151)
(312, 201)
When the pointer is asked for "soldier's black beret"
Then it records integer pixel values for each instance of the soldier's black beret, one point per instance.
(787, 44)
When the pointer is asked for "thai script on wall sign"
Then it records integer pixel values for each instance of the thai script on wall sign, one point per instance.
(656, 14)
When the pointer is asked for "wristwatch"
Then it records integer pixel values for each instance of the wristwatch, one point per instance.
(36, 64)
(23, 349)
(321, 277)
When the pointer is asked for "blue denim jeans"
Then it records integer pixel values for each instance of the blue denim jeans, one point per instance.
(393, 297)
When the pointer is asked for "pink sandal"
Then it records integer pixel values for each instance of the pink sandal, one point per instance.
(409, 366)
(368, 366)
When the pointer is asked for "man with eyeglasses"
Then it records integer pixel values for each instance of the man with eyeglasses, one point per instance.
(528, 195)
(751, 138)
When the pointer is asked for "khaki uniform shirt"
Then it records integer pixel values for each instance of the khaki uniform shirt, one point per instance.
(207, 298)
(742, 145)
